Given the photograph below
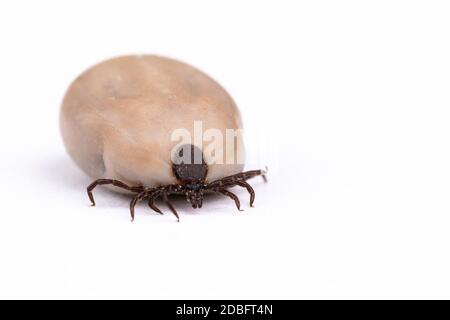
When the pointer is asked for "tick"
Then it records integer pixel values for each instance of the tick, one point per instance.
(121, 122)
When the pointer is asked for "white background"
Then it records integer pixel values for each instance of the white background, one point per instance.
(347, 102)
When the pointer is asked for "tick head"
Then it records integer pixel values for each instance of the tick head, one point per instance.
(190, 169)
(194, 194)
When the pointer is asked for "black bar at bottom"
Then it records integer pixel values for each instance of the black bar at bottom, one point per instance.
(224, 309)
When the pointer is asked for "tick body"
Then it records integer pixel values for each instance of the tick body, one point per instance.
(118, 121)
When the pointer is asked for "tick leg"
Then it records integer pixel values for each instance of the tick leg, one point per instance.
(134, 201)
(246, 175)
(151, 203)
(115, 183)
(166, 200)
(249, 189)
(232, 196)
(239, 177)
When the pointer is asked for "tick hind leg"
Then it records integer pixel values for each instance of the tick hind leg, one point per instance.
(113, 182)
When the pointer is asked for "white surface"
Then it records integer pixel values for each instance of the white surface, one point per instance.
(347, 103)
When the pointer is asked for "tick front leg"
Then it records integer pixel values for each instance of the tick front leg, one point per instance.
(115, 183)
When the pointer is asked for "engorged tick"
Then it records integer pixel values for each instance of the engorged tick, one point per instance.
(118, 119)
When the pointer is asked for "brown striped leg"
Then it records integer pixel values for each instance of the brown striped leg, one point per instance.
(167, 201)
(249, 189)
(246, 175)
(115, 183)
(238, 177)
(135, 201)
(151, 203)
(232, 196)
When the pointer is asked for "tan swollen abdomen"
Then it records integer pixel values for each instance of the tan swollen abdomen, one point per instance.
(117, 118)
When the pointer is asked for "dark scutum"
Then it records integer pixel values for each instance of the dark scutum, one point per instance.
(189, 165)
